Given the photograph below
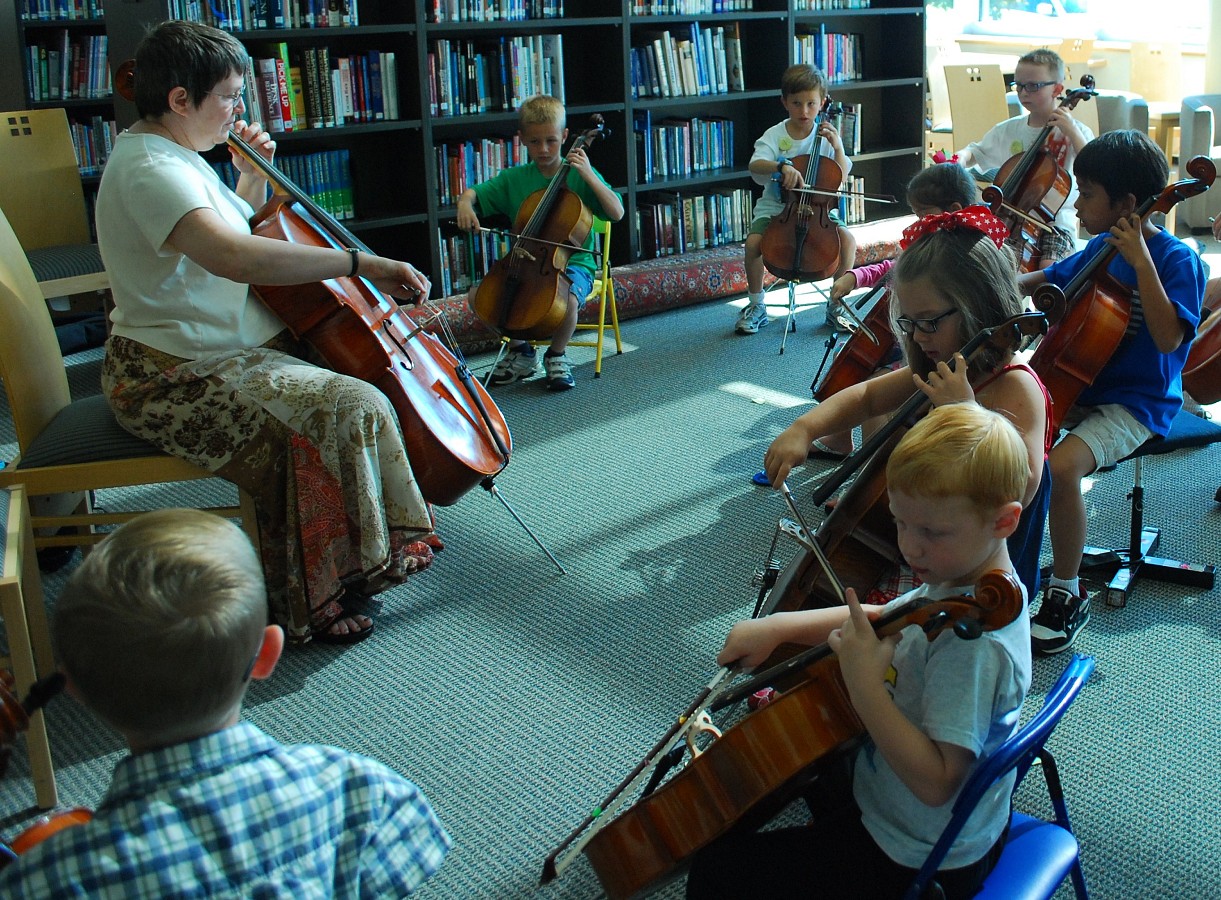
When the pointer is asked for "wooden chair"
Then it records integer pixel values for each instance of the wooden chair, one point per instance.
(1156, 73)
(602, 292)
(977, 101)
(1076, 53)
(67, 447)
(25, 625)
(41, 194)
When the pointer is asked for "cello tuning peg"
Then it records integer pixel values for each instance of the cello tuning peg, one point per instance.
(968, 629)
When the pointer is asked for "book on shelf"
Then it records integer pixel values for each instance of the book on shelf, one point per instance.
(311, 87)
(735, 76)
(324, 87)
(553, 51)
(279, 52)
(270, 94)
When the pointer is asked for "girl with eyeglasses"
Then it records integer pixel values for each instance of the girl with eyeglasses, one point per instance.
(953, 278)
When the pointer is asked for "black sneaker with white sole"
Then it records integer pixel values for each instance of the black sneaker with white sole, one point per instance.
(1060, 618)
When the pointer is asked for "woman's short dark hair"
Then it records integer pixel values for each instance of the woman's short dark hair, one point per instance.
(183, 54)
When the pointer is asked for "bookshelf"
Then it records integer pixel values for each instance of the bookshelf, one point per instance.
(401, 171)
(62, 49)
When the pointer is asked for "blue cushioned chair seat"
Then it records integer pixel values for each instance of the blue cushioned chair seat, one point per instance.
(66, 261)
(1037, 857)
(84, 431)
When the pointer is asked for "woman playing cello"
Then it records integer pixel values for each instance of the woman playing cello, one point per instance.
(1039, 81)
(197, 366)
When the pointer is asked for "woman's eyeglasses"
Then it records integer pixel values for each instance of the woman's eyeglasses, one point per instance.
(1029, 86)
(924, 326)
(231, 99)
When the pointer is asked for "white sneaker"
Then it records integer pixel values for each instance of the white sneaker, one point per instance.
(559, 373)
(514, 366)
(751, 319)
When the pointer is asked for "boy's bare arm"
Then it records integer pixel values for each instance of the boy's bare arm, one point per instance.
(467, 219)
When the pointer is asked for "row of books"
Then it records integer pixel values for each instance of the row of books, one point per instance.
(467, 78)
(847, 122)
(467, 163)
(304, 88)
(673, 224)
(466, 258)
(494, 10)
(92, 141)
(325, 176)
(821, 5)
(253, 15)
(838, 55)
(65, 68)
(678, 147)
(695, 62)
(57, 10)
(689, 7)
(852, 207)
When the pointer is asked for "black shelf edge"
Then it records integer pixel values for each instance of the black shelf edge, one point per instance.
(707, 176)
(28, 24)
(284, 34)
(744, 16)
(376, 222)
(514, 25)
(652, 103)
(821, 14)
(889, 153)
(302, 134)
(838, 86)
(72, 102)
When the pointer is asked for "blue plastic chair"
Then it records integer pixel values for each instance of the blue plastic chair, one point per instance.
(1038, 854)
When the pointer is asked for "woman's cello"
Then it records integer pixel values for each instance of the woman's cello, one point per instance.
(1031, 187)
(801, 242)
(1090, 316)
(525, 294)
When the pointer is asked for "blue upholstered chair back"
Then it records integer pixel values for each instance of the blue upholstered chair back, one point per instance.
(1038, 854)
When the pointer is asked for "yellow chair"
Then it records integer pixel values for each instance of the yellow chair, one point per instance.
(603, 292)
(69, 448)
(25, 624)
(41, 193)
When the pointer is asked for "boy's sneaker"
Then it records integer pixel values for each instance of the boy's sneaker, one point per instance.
(751, 319)
(514, 366)
(1059, 620)
(559, 373)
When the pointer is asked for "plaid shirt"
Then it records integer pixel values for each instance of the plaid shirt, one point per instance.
(237, 814)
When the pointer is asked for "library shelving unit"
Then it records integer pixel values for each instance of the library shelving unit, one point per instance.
(397, 176)
(67, 68)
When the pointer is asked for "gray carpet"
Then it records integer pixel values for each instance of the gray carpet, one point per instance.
(518, 698)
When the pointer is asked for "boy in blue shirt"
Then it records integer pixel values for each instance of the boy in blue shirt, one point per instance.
(1139, 391)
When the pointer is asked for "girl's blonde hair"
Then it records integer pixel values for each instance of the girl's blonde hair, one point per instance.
(962, 450)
